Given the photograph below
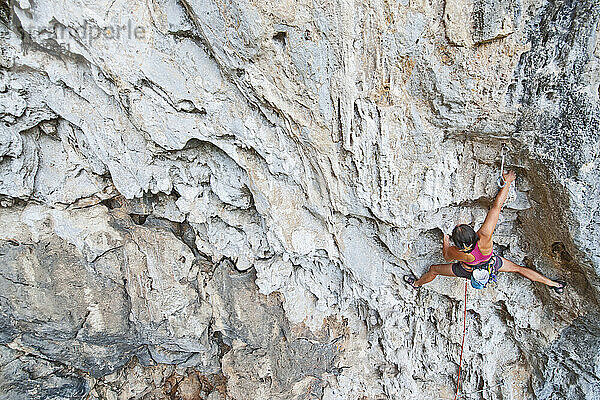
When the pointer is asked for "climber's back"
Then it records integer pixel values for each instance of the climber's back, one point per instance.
(475, 247)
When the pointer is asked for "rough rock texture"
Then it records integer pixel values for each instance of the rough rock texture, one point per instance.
(217, 199)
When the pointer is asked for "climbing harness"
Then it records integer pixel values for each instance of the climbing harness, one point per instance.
(462, 346)
(501, 182)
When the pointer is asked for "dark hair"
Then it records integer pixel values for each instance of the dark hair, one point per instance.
(464, 237)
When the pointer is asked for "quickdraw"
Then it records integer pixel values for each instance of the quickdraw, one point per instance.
(501, 182)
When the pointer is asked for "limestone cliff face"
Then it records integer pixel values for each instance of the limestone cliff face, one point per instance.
(217, 199)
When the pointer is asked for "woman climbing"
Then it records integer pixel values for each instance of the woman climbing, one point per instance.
(474, 250)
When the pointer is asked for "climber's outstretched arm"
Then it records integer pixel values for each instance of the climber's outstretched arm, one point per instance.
(489, 225)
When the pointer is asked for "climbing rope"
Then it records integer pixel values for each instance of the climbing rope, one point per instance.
(462, 346)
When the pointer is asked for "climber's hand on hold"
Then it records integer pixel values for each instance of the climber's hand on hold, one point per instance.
(509, 176)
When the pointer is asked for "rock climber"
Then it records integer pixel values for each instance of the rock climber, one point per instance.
(472, 250)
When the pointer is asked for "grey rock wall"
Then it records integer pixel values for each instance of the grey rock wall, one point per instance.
(218, 199)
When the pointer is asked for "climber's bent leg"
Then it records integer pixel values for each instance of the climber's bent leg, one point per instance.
(509, 266)
(435, 270)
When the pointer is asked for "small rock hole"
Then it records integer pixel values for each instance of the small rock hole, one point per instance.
(280, 38)
(138, 219)
(557, 247)
(113, 203)
(559, 250)
(192, 144)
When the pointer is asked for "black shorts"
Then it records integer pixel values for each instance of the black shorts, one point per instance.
(461, 272)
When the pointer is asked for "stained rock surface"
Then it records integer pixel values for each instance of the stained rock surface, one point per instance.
(217, 199)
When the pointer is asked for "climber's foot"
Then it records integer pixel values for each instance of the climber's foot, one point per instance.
(559, 289)
(410, 280)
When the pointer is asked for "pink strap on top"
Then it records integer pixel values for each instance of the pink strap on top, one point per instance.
(479, 258)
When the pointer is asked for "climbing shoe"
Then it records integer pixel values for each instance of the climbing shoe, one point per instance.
(559, 289)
